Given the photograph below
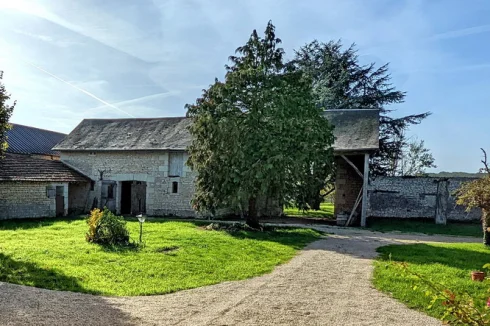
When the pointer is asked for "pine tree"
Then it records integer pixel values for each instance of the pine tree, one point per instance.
(255, 134)
(341, 82)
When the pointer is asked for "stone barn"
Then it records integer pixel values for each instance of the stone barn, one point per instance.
(136, 165)
(33, 181)
(139, 165)
(356, 138)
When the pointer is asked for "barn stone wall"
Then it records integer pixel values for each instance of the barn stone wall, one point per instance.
(148, 166)
(22, 199)
(417, 197)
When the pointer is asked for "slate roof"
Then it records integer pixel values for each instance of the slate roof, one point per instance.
(128, 134)
(29, 140)
(21, 167)
(356, 130)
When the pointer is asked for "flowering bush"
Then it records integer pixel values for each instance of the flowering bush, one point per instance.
(106, 228)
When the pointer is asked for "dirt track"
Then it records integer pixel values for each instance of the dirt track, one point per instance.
(328, 283)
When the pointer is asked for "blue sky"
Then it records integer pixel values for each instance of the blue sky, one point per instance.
(66, 60)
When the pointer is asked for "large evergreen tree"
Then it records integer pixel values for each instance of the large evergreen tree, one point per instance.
(6, 111)
(341, 82)
(258, 134)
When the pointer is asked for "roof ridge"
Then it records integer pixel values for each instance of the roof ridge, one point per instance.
(31, 127)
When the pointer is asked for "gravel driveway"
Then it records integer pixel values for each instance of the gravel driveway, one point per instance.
(328, 283)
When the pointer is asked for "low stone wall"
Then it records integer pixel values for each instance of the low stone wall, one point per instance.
(417, 197)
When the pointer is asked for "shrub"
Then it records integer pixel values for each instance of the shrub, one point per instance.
(459, 308)
(106, 228)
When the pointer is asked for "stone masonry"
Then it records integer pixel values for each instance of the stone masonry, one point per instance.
(29, 199)
(348, 184)
(151, 167)
(418, 197)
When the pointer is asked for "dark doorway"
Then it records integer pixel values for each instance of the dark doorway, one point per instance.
(60, 201)
(126, 197)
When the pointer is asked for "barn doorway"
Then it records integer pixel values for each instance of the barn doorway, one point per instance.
(60, 200)
(133, 197)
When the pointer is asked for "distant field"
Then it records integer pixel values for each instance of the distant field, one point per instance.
(326, 211)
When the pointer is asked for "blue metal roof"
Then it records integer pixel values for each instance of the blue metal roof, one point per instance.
(29, 140)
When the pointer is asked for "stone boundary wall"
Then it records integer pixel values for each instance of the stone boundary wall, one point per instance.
(418, 197)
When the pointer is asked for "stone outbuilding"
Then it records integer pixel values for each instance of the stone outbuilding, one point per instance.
(33, 181)
(136, 165)
(356, 138)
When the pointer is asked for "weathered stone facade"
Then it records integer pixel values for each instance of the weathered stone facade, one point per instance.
(25, 199)
(347, 184)
(165, 195)
(417, 197)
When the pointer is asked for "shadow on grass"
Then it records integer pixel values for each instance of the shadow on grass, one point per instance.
(32, 223)
(130, 247)
(27, 305)
(25, 273)
(427, 254)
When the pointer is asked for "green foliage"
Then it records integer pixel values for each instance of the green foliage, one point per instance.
(6, 111)
(177, 255)
(476, 194)
(258, 134)
(341, 82)
(416, 158)
(435, 278)
(106, 228)
(326, 211)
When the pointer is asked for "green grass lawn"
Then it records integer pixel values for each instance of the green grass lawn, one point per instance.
(326, 211)
(53, 254)
(450, 264)
(425, 226)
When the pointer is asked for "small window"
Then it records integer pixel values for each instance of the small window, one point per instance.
(175, 165)
(175, 187)
(92, 185)
(91, 154)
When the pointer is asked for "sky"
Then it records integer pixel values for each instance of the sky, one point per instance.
(66, 60)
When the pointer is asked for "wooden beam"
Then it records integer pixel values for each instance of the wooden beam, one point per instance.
(364, 191)
(353, 165)
(358, 200)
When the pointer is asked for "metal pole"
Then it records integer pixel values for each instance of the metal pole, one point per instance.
(141, 230)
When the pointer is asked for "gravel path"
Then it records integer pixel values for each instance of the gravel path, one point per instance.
(328, 283)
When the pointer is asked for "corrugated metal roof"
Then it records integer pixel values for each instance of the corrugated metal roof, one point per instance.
(29, 140)
(21, 167)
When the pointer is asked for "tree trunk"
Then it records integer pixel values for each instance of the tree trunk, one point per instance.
(486, 226)
(252, 218)
(315, 202)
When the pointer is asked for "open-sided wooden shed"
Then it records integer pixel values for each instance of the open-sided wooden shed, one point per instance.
(356, 138)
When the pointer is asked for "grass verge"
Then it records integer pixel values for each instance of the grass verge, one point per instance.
(448, 264)
(53, 254)
(425, 226)
(326, 211)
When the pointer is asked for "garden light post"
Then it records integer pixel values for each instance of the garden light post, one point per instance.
(141, 219)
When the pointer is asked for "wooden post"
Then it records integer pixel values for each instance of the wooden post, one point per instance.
(364, 190)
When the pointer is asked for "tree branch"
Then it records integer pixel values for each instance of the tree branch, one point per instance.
(484, 161)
